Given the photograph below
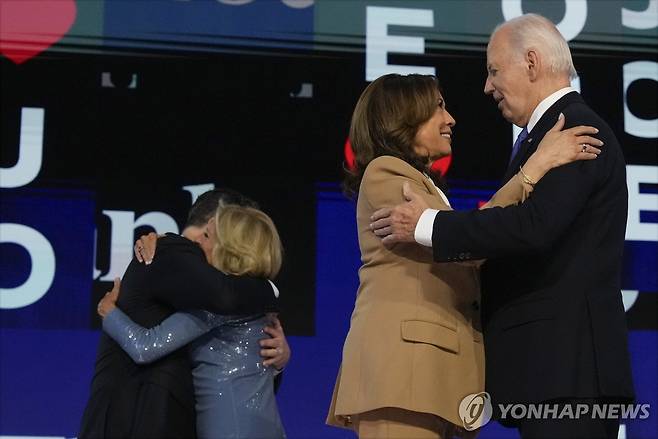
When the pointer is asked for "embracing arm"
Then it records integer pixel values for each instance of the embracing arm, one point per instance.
(521, 185)
(557, 148)
(147, 345)
(524, 228)
(534, 225)
(514, 192)
(383, 184)
(182, 279)
(416, 221)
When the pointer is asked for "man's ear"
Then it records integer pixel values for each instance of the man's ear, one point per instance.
(210, 227)
(533, 63)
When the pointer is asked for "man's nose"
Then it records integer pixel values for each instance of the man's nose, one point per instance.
(488, 87)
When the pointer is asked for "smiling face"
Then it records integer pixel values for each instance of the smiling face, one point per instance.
(434, 136)
(509, 79)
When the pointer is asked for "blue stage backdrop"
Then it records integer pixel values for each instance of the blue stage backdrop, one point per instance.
(116, 115)
(46, 372)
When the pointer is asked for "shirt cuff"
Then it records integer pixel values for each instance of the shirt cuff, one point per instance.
(425, 227)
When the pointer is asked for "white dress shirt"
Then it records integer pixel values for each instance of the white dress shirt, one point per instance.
(425, 227)
(426, 221)
(276, 290)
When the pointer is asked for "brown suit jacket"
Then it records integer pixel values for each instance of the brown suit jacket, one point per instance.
(415, 340)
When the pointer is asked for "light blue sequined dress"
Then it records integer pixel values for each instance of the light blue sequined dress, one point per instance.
(234, 392)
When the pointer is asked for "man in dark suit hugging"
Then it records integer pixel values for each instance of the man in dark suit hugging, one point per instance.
(156, 400)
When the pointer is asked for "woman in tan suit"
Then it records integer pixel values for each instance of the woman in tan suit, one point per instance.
(414, 348)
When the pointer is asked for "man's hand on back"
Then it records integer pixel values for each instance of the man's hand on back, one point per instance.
(275, 350)
(398, 223)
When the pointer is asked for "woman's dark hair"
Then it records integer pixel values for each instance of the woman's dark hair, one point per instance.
(206, 205)
(385, 121)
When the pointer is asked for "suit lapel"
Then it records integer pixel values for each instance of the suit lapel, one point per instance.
(430, 186)
(538, 132)
(520, 155)
(435, 191)
(402, 168)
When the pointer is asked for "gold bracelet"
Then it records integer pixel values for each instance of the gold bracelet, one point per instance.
(526, 179)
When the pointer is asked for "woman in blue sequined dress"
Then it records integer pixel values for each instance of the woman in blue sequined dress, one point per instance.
(234, 391)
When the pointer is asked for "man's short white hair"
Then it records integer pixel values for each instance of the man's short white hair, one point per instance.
(532, 31)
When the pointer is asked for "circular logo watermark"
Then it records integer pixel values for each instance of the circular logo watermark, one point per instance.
(475, 410)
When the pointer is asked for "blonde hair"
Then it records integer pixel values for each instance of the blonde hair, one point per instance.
(247, 242)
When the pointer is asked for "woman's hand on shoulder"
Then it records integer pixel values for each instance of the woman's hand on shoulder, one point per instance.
(560, 147)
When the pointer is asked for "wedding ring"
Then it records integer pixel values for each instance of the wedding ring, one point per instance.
(584, 147)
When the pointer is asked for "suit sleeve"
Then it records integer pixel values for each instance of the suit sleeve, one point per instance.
(525, 228)
(513, 192)
(183, 280)
(148, 345)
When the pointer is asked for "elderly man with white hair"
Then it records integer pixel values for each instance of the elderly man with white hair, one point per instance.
(553, 319)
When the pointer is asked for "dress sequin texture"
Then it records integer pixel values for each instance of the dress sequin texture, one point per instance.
(234, 392)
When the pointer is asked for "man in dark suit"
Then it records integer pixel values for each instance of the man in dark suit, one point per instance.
(157, 400)
(553, 318)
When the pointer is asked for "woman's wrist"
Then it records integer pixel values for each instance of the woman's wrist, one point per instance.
(526, 179)
(536, 167)
(106, 311)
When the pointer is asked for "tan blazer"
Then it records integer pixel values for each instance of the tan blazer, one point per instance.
(415, 340)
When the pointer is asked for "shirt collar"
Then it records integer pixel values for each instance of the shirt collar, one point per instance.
(545, 105)
(438, 189)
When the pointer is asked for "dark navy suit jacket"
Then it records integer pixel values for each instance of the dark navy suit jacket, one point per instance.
(553, 319)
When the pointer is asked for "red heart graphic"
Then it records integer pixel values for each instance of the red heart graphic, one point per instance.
(350, 160)
(28, 27)
(442, 165)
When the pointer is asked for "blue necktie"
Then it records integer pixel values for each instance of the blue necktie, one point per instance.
(517, 144)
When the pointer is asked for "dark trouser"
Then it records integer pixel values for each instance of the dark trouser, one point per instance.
(137, 410)
(570, 429)
(583, 428)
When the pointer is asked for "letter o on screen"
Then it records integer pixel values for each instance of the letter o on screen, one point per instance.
(575, 16)
(645, 128)
(235, 2)
(646, 19)
(298, 4)
(43, 266)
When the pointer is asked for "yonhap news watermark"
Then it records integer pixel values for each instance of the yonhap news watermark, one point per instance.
(476, 410)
